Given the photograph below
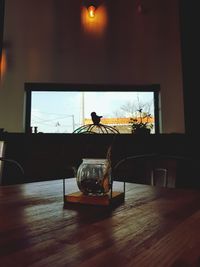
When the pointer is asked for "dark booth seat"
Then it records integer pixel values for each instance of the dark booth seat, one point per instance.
(53, 156)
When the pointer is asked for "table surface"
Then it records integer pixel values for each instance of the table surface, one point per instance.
(154, 227)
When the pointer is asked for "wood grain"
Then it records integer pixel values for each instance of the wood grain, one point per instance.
(153, 227)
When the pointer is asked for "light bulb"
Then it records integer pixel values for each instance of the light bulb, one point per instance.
(91, 11)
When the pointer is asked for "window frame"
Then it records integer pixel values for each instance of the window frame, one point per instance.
(64, 87)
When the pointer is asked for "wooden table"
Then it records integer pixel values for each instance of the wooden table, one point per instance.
(154, 227)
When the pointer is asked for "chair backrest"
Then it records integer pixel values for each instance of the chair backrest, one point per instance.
(12, 172)
(133, 169)
(154, 169)
(9, 168)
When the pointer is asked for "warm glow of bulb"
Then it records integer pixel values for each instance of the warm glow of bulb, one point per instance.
(91, 11)
(3, 64)
(95, 25)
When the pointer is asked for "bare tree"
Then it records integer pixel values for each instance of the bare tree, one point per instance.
(131, 109)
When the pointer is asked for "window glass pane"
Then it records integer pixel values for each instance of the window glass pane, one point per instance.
(65, 111)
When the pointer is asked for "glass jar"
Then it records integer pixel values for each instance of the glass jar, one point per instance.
(94, 176)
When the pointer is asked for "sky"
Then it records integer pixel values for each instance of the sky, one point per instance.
(63, 112)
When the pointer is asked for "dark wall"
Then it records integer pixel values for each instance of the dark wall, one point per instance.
(48, 42)
(189, 22)
(189, 29)
(2, 2)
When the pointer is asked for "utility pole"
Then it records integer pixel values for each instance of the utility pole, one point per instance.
(83, 107)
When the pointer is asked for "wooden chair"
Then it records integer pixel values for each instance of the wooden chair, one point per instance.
(133, 169)
(153, 169)
(9, 168)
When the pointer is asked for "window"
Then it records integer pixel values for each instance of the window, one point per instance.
(60, 108)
